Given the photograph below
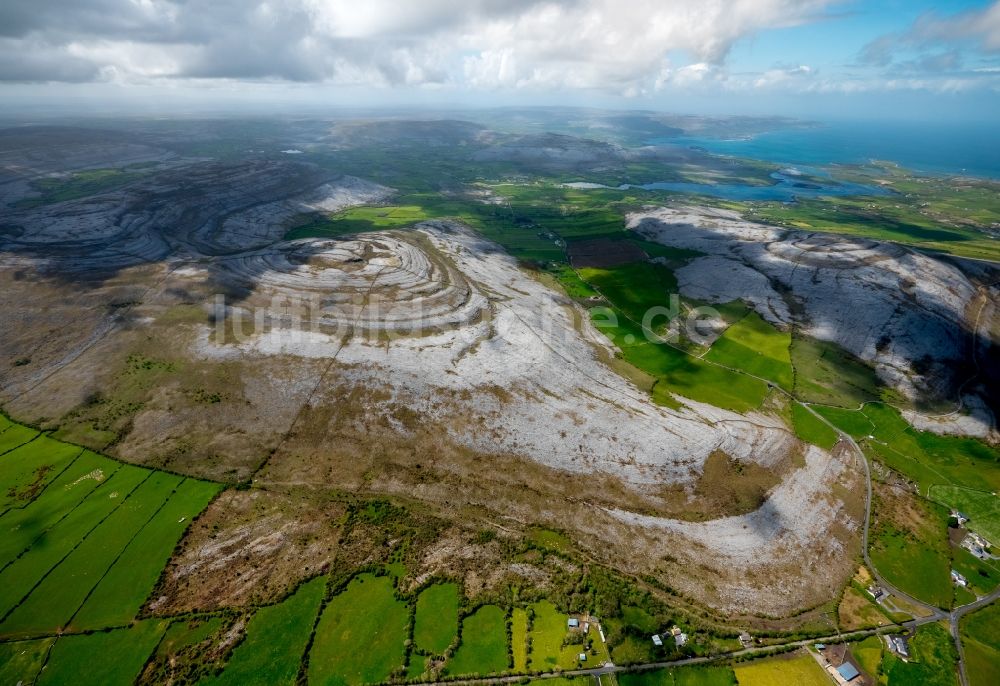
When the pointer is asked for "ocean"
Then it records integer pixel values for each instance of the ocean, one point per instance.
(949, 149)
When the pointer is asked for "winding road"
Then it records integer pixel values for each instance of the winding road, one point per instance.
(935, 614)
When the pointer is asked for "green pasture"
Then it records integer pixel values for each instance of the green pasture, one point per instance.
(360, 220)
(634, 289)
(360, 635)
(21, 661)
(799, 669)
(918, 562)
(982, 507)
(483, 649)
(21, 526)
(79, 184)
(276, 637)
(13, 436)
(811, 429)
(436, 618)
(889, 220)
(103, 658)
(60, 593)
(127, 584)
(548, 631)
(827, 374)
(27, 469)
(756, 347)
(932, 660)
(980, 633)
(869, 654)
(519, 638)
(680, 676)
(21, 576)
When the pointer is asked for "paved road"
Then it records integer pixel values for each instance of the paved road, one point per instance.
(935, 613)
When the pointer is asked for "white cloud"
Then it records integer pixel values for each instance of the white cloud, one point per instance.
(492, 44)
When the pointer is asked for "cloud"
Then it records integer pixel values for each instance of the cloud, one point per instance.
(981, 28)
(938, 42)
(485, 44)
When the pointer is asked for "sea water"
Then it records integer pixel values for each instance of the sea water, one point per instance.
(937, 148)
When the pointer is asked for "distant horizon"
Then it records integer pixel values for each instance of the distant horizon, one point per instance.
(882, 60)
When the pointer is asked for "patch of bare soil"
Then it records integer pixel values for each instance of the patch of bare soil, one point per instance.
(856, 612)
(249, 547)
(726, 488)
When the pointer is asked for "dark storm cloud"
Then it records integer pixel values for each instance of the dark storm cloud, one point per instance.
(42, 63)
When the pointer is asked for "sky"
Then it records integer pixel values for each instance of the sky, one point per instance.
(820, 58)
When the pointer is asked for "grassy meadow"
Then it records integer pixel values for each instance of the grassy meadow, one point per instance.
(360, 636)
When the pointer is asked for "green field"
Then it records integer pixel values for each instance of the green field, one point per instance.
(28, 469)
(799, 669)
(756, 347)
(436, 618)
(60, 593)
(927, 458)
(678, 372)
(827, 374)
(682, 676)
(629, 649)
(126, 585)
(917, 559)
(869, 654)
(932, 660)
(82, 548)
(13, 436)
(20, 662)
(548, 631)
(981, 506)
(640, 619)
(359, 220)
(483, 649)
(360, 636)
(46, 551)
(929, 213)
(104, 658)
(21, 526)
(854, 423)
(275, 641)
(519, 638)
(811, 429)
(79, 184)
(980, 632)
(634, 288)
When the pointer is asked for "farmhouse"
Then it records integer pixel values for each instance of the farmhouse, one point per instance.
(959, 579)
(899, 646)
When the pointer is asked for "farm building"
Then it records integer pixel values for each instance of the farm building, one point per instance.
(848, 671)
(899, 646)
